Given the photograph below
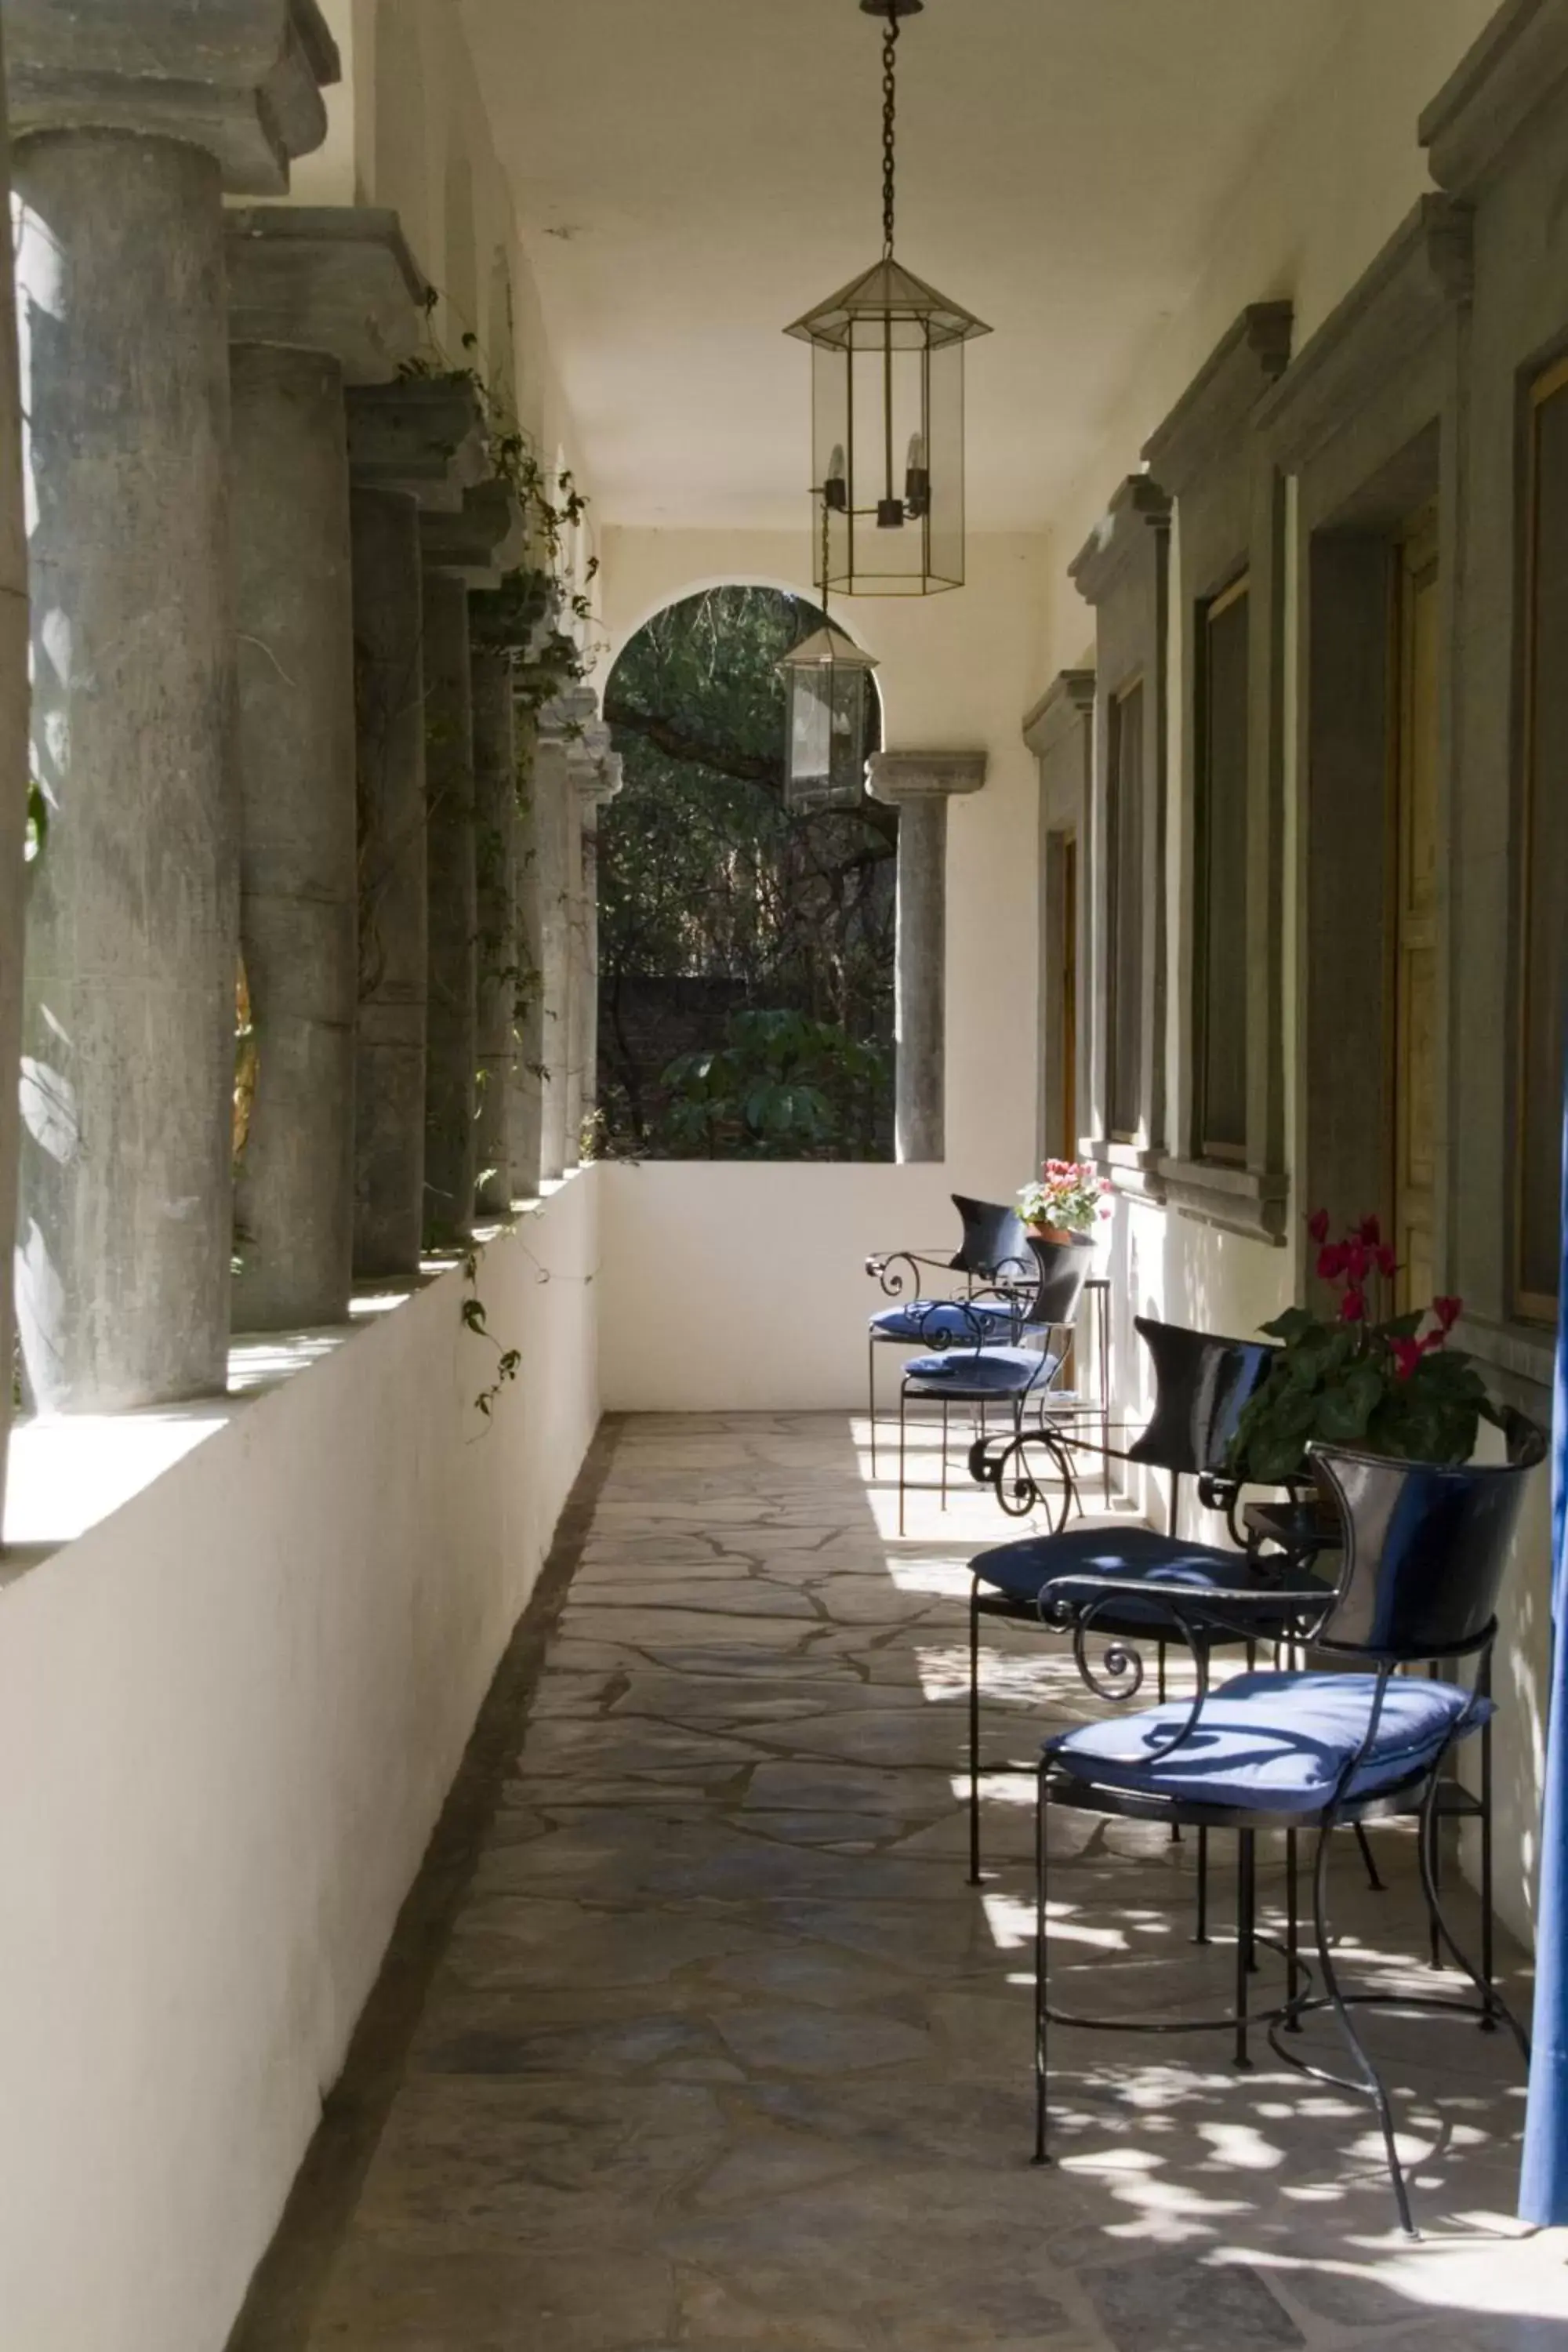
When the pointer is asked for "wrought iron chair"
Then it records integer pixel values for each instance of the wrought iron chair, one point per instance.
(993, 1258)
(982, 1368)
(1423, 1551)
(1200, 1384)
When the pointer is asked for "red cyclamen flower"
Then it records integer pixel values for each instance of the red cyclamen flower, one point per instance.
(1406, 1356)
(1317, 1226)
(1369, 1230)
(1448, 1311)
(1353, 1307)
(1331, 1262)
(1387, 1264)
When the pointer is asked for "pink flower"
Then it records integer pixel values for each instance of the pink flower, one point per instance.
(1317, 1226)
(1352, 1306)
(1406, 1356)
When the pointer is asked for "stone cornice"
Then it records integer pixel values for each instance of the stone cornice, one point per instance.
(424, 436)
(1066, 702)
(1138, 507)
(1390, 313)
(893, 777)
(336, 279)
(1204, 421)
(1518, 65)
(242, 78)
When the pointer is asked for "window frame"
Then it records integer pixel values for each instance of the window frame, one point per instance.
(1212, 1149)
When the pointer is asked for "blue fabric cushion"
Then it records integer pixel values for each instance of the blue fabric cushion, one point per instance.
(926, 1321)
(989, 1372)
(1021, 1570)
(1271, 1743)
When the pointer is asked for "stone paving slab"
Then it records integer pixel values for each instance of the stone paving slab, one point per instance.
(721, 2052)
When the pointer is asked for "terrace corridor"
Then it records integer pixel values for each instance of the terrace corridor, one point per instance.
(694, 2034)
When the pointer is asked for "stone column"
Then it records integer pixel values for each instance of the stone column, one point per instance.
(597, 782)
(526, 1092)
(315, 297)
(13, 792)
(562, 725)
(495, 835)
(468, 548)
(450, 1142)
(412, 447)
(919, 784)
(126, 131)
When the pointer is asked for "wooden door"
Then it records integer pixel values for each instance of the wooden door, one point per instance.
(1413, 929)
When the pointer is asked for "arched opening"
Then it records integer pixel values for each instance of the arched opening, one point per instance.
(746, 945)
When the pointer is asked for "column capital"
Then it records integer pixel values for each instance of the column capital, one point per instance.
(424, 436)
(482, 541)
(569, 716)
(337, 278)
(894, 777)
(245, 83)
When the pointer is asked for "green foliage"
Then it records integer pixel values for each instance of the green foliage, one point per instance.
(711, 885)
(508, 1361)
(1387, 1387)
(777, 1088)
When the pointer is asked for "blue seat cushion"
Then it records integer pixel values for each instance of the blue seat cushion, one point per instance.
(1272, 1743)
(983, 1373)
(1022, 1570)
(926, 1321)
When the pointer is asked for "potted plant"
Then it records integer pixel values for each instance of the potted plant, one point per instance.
(1066, 1201)
(1387, 1384)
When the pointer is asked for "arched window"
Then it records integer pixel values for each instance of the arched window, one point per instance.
(746, 947)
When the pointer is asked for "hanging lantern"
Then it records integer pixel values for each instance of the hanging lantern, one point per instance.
(828, 696)
(888, 407)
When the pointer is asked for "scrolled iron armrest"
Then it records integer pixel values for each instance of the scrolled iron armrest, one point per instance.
(1062, 1606)
(882, 1263)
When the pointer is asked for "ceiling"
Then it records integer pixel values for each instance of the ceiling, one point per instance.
(691, 174)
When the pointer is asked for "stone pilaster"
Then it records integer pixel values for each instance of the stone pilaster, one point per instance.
(126, 130)
(919, 784)
(414, 448)
(12, 790)
(316, 297)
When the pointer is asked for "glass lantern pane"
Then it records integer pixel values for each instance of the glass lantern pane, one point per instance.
(887, 423)
(830, 447)
(944, 439)
(827, 733)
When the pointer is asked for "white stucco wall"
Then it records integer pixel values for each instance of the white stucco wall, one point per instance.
(229, 1717)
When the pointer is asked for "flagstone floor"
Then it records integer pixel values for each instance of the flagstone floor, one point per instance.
(722, 2051)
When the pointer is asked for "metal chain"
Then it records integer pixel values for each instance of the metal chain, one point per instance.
(889, 121)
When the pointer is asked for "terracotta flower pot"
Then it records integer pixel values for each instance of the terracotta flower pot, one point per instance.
(1054, 1232)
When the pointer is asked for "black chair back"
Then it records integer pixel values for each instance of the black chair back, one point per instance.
(996, 1247)
(1424, 1548)
(1200, 1384)
(1062, 1268)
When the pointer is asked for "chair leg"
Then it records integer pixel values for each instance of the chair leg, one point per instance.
(1373, 1880)
(974, 1732)
(1040, 2021)
(904, 1422)
(1292, 1927)
(871, 1398)
(1245, 1897)
(1493, 2004)
(1201, 1935)
(944, 1454)
(1368, 2071)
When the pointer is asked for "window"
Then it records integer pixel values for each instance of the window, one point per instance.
(1538, 1221)
(1219, 1027)
(1124, 913)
